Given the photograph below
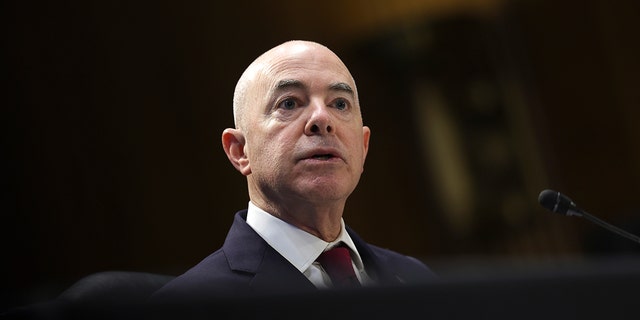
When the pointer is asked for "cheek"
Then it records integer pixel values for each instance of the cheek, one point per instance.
(267, 155)
(357, 147)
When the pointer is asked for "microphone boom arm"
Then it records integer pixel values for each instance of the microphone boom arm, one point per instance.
(604, 224)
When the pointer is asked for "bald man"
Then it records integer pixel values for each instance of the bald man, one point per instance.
(300, 141)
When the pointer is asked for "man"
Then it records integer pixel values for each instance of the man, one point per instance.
(300, 141)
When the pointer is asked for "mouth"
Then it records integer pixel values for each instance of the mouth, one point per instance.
(322, 155)
(325, 156)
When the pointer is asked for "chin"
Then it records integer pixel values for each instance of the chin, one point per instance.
(326, 192)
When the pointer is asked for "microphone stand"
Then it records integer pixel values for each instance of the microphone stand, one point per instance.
(604, 224)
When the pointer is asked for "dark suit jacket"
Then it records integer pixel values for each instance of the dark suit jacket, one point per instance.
(246, 264)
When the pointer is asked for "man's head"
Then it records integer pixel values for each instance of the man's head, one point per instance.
(299, 136)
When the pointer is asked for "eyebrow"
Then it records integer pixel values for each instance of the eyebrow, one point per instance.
(292, 83)
(288, 83)
(341, 86)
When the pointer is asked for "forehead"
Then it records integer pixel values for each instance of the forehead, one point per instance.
(309, 65)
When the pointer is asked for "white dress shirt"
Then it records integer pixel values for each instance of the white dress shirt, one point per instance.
(300, 247)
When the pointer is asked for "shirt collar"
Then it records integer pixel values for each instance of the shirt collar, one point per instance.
(299, 247)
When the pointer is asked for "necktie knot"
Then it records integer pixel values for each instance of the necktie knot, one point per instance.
(337, 263)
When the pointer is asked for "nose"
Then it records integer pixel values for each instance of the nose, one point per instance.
(320, 121)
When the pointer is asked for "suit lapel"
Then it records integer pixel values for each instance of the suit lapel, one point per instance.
(276, 272)
(377, 267)
(247, 252)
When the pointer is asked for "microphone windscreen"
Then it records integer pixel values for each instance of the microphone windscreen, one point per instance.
(555, 201)
(549, 199)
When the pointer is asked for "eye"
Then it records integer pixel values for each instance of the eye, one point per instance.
(341, 104)
(288, 104)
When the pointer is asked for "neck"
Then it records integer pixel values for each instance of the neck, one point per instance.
(322, 221)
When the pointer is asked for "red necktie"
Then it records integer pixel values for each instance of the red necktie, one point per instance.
(337, 263)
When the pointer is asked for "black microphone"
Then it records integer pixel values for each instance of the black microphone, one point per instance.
(557, 202)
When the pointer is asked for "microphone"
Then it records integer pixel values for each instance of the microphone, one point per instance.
(555, 201)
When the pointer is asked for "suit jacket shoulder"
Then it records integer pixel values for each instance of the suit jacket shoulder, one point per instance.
(244, 265)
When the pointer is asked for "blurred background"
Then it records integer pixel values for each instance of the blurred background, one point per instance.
(113, 110)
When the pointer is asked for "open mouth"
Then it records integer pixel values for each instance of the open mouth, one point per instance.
(322, 156)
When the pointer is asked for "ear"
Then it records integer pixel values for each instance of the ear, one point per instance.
(233, 142)
(366, 133)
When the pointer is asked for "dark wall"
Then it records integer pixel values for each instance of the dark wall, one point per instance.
(113, 115)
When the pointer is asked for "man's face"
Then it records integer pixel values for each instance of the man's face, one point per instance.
(304, 134)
